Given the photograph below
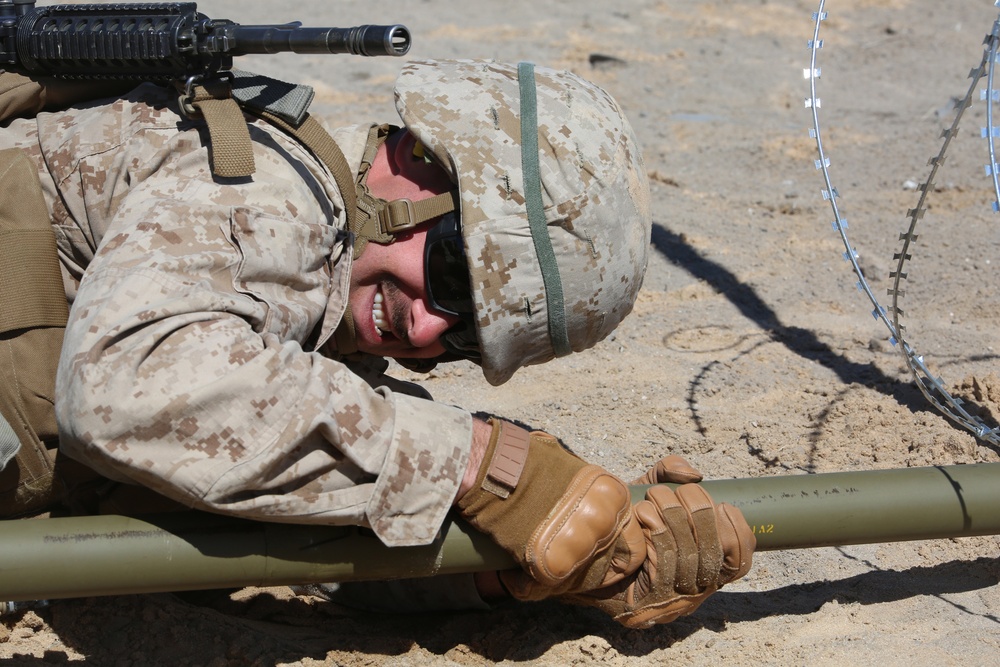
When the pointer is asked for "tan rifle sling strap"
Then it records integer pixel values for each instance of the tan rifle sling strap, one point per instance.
(230, 148)
(221, 103)
(285, 106)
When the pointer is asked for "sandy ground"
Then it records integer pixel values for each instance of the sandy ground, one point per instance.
(750, 350)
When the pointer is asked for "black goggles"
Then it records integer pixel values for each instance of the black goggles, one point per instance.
(446, 278)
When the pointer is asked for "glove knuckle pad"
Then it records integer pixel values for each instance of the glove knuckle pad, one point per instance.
(587, 519)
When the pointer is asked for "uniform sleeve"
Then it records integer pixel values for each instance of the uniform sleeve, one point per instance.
(190, 366)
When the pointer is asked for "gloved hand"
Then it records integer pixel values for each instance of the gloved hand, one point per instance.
(694, 547)
(567, 523)
(570, 525)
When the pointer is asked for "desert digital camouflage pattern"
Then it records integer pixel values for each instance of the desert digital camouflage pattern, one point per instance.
(594, 188)
(193, 361)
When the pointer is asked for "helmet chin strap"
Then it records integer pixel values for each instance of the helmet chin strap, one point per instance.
(379, 220)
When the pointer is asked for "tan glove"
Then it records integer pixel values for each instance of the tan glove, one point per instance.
(694, 547)
(568, 524)
(670, 469)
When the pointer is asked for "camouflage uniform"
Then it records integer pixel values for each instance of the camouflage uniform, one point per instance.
(197, 359)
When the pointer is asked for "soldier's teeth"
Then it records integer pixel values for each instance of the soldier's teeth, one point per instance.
(378, 314)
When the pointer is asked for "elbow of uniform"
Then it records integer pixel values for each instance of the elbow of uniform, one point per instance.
(78, 410)
(95, 405)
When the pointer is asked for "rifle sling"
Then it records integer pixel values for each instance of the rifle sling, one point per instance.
(222, 102)
(230, 150)
(311, 134)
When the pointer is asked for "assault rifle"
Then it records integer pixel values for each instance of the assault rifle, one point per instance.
(161, 41)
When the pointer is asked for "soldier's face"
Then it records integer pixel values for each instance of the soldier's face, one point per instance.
(388, 299)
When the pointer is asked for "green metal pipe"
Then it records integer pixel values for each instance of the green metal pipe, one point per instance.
(835, 509)
(115, 555)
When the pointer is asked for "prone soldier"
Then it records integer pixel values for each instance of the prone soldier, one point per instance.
(228, 325)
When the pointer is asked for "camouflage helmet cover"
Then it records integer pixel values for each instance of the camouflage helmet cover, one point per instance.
(568, 285)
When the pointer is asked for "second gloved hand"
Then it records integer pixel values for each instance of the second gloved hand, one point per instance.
(694, 547)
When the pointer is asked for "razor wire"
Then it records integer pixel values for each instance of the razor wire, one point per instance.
(930, 385)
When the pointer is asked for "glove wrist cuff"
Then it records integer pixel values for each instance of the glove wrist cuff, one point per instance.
(506, 455)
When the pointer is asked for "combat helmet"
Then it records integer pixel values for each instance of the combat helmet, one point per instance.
(556, 246)
(553, 201)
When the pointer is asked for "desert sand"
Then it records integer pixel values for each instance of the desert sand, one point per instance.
(750, 351)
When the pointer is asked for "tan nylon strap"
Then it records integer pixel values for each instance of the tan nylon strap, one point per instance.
(231, 148)
(31, 292)
(509, 457)
(432, 207)
(315, 137)
(377, 134)
(401, 214)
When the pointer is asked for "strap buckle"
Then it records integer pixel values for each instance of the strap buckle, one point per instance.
(186, 99)
(397, 216)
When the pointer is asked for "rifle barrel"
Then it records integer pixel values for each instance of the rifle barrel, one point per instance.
(363, 40)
